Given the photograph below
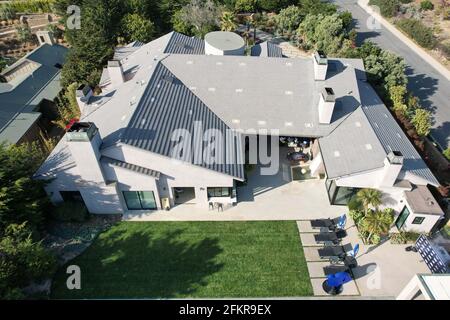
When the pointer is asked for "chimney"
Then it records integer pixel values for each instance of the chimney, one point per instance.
(320, 65)
(393, 164)
(45, 36)
(115, 72)
(83, 94)
(326, 105)
(84, 143)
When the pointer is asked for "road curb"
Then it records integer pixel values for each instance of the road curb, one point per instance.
(364, 4)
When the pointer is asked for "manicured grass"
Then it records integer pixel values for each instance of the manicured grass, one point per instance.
(191, 259)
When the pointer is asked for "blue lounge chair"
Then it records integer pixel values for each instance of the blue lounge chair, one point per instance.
(331, 224)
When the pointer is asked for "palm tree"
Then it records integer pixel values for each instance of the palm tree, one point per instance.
(227, 21)
(377, 222)
(369, 198)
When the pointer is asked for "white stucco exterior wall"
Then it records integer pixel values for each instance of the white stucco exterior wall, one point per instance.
(173, 173)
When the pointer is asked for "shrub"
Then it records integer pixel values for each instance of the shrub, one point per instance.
(70, 211)
(422, 34)
(354, 204)
(245, 5)
(426, 5)
(422, 122)
(446, 153)
(445, 48)
(7, 12)
(356, 215)
(404, 237)
(388, 8)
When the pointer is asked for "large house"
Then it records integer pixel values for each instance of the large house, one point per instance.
(28, 89)
(119, 157)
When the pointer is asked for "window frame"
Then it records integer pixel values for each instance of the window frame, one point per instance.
(422, 219)
(140, 198)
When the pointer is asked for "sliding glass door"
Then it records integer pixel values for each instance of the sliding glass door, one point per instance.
(140, 200)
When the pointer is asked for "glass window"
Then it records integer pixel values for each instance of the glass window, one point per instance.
(402, 218)
(418, 220)
(132, 200)
(140, 200)
(219, 192)
(71, 196)
(147, 200)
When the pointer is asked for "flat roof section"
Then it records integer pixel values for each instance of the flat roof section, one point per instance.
(224, 40)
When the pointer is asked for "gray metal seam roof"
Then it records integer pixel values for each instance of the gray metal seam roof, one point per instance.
(390, 135)
(167, 106)
(182, 44)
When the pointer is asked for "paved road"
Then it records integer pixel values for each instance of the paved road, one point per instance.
(424, 81)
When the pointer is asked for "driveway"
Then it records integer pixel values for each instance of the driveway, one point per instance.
(423, 80)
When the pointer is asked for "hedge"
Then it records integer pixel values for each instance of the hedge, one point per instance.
(422, 34)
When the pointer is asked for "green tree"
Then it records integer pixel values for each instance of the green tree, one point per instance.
(422, 122)
(203, 16)
(245, 5)
(288, 20)
(21, 198)
(137, 28)
(377, 223)
(369, 198)
(93, 44)
(24, 33)
(316, 7)
(22, 260)
(326, 33)
(227, 21)
(385, 70)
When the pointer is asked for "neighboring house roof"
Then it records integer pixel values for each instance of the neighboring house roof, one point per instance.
(266, 49)
(38, 79)
(131, 167)
(171, 83)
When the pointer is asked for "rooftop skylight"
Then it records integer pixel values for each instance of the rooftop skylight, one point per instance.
(337, 154)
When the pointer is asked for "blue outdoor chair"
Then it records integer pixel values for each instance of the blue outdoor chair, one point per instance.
(334, 284)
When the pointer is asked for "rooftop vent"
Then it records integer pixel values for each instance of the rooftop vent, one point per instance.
(320, 65)
(326, 105)
(115, 72)
(395, 157)
(168, 79)
(81, 131)
(320, 57)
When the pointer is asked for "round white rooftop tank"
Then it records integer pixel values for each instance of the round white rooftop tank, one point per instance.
(224, 43)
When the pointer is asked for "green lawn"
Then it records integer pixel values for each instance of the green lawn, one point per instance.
(191, 259)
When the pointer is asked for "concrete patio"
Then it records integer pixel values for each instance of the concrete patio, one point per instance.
(383, 270)
(265, 197)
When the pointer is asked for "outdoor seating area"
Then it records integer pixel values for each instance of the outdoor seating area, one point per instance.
(342, 258)
(331, 256)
